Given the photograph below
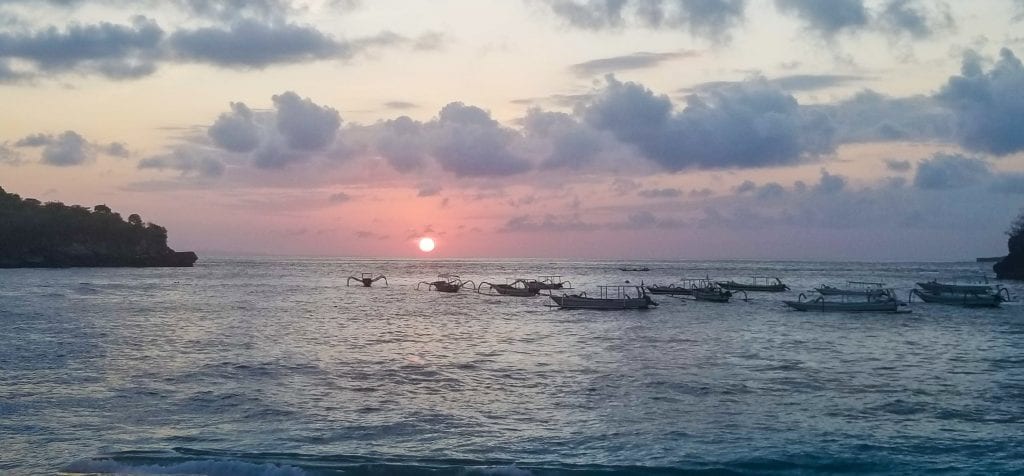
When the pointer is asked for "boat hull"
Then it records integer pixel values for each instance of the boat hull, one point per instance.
(768, 288)
(582, 302)
(670, 290)
(825, 306)
(941, 288)
(963, 299)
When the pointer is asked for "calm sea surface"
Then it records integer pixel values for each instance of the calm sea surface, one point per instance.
(273, 366)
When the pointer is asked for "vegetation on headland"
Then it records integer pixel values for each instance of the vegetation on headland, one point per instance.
(54, 235)
(1012, 266)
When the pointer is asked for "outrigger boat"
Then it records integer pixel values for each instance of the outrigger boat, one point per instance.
(608, 298)
(936, 287)
(965, 299)
(712, 293)
(635, 269)
(547, 282)
(883, 302)
(517, 288)
(684, 287)
(855, 288)
(448, 283)
(758, 283)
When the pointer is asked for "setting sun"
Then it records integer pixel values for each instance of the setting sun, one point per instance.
(426, 244)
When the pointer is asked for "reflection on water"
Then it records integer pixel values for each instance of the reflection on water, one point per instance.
(272, 366)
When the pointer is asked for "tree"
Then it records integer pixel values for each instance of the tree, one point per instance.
(134, 219)
(101, 209)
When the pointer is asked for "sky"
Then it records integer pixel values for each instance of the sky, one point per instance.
(562, 129)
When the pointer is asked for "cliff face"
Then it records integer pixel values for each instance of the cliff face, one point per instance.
(54, 235)
(1012, 266)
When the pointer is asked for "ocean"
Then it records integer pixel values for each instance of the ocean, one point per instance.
(273, 366)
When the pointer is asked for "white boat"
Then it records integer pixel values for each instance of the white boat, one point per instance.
(757, 283)
(884, 302)
(853, 288)
(608, 298)
(936, 287)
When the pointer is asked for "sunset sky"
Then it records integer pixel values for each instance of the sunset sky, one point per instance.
(751, 129)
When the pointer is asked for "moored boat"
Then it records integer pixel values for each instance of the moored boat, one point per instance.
(884, 302)
(936, 287)
(757, 283)
(516, 288)
(853, 288)
(684, 287)
(547, 282)
(964, 299)
(711, 294)
(608, 298)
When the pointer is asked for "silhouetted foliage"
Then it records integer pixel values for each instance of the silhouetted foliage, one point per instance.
(1012, 266)
(33, 234)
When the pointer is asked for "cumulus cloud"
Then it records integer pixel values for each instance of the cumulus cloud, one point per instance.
(872, 117)
(949, 171)
(913, 18)
(563, 140)
(988, 106)
(9, 156)
(189, 161)
(829, 183)
(828, 18)
(712, 19)
(469, 143)
(747, 125)
(236, 131)
(639, 60)
(64, 150)
(402, 142)
(305, 125)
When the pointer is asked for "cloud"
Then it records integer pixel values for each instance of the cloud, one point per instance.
(747, 125)
(369, 235)
(236, 131)
(111, 50)
(711, 19)
(988, 106)
(70, 148)
(872, 117)
(402, 142)
(254, 44)
(949, 171)
(897, 165)
(9, 156)
(190, 162)
(229, 10)
(814, 82)
(829, 183)
(640, 60)
(660, 193)
(468, 143)
(911, 18)
(305, 125)
(116, 149)
(547, 223)
(428, 190)
(563, 140)
(828, 18)
(340, 197)
(400, 105)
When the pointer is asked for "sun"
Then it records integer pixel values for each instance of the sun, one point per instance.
(426, 244)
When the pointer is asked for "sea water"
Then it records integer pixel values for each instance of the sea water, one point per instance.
(274, 366)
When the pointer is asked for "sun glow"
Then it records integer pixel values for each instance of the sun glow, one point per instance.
(426, 244)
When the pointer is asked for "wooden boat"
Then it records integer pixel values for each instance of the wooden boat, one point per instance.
(635, 269)
(757, 283)
(854, 288)
(884, 302)
(684, 287)
(547, 282)
(711, 294)
(517, 288)
(608, 298)
(936, 287)
(448, 283)
(964, 299)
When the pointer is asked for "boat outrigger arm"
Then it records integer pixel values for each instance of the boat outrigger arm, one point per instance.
(367, 279)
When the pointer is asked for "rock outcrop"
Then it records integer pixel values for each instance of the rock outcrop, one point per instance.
(1012, 266)
(55, 235)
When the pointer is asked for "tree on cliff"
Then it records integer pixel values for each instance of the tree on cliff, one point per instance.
(54, 234)
(1012, 266)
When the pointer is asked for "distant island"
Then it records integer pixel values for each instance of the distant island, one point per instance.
(1012, 266)
(55, 235)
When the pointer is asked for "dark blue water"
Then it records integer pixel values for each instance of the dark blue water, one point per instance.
(274, 366)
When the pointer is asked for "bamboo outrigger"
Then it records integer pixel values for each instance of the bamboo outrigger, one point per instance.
(367, 279)
(517, 288)
(448, 283)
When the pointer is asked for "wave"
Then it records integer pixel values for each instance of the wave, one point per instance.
(218, 463)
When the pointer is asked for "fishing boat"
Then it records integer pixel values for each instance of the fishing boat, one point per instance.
(547, 282)
(711, 294)
(853, 288)
(964, 299)
(516, 288)
(684, 287)
(936, 287)
(884, 302)
(608, 298)
(635, 269)
(757, 283)
(447, 283)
